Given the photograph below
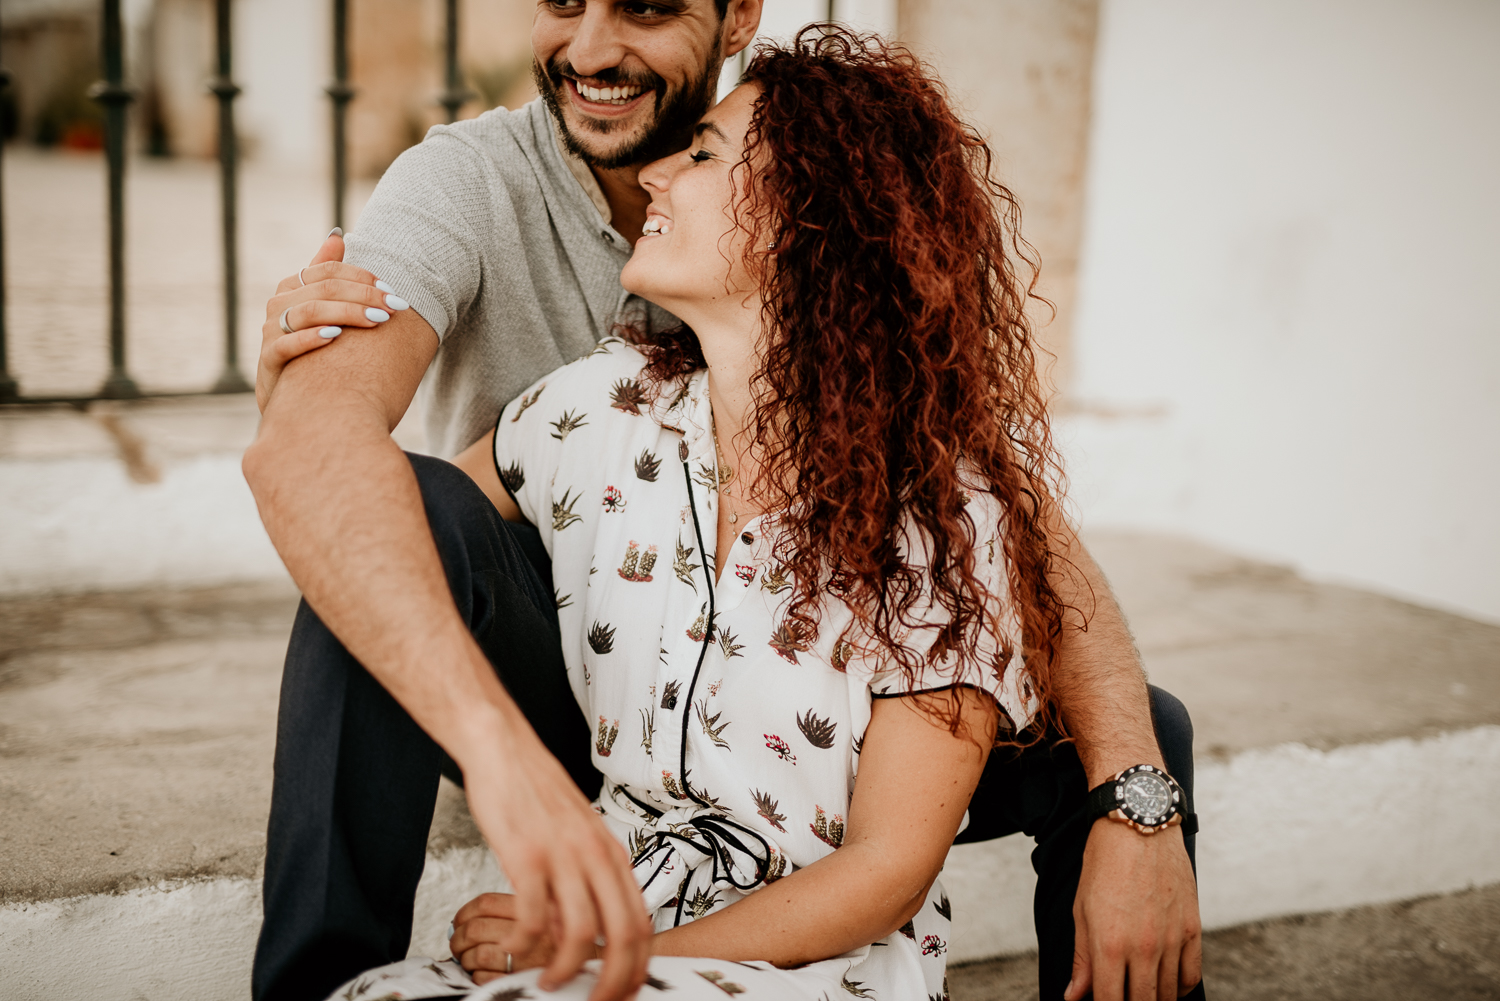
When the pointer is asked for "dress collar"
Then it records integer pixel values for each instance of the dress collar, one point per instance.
(683, 406)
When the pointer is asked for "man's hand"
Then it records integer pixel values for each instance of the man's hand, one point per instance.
(1136, 911)
(323, 298)
(573, 881)
(1136, 916)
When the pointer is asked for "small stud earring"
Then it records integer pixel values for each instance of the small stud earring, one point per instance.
(771, 245)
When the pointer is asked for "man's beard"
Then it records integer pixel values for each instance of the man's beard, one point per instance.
(670, 130)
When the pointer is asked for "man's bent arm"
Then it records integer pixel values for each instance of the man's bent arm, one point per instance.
(340, 502)
(342, 506)
(1136, 912)
(1098, 678)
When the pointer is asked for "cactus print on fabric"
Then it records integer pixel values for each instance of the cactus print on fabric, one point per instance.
(743, 730)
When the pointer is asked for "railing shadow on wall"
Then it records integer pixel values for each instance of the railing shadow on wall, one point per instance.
(114, 96)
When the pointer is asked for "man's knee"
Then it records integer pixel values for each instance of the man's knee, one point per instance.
(450, 497)
(1174, 732)
(472, 538)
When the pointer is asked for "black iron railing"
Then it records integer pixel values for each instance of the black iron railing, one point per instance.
(223, 87)
(341, 94)
(115, 97)
(9, 390)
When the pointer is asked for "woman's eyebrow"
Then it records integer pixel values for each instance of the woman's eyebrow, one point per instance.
(703, 127)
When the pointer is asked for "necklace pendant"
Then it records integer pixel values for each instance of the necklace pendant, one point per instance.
(734, 516)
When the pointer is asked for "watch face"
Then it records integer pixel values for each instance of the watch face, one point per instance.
(1147, 796)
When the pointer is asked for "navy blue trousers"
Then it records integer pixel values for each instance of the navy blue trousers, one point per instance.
(356, 779)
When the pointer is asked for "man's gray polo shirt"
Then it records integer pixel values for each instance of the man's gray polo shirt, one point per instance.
(501, 242)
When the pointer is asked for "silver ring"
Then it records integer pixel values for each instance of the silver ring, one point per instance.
(509, 962)
(300, 279)
(284, 328)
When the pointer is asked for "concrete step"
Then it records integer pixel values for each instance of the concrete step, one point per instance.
(145, 493)
(1349, 746)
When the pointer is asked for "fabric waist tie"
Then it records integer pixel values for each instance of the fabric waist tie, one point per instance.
(691, 853)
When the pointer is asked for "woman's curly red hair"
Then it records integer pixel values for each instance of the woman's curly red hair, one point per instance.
(898, 348)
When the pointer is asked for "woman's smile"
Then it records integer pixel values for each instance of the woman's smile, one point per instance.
(657, 224)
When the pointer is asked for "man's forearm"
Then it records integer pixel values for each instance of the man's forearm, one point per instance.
(341, 504)
(1098, 679)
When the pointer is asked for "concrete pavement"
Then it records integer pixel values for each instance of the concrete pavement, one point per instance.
(1434, 949)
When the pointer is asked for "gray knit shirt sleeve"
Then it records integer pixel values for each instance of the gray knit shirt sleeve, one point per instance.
(417, 232)
(484, 228)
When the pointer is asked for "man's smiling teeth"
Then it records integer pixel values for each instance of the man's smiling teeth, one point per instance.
(609, 95)
(656, 225)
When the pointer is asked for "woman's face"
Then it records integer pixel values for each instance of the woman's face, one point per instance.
(690, 256)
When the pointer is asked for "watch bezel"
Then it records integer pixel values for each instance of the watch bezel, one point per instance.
(1142, 822)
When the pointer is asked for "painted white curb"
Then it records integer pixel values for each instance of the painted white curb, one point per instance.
(82, 524)
(1289, 830)
(1286, 830)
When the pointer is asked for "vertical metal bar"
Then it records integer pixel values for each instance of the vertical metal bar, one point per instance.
(223, 87)
(9, 389)
(341, 93)
(112, 93)
(831, 4)
(455, 94)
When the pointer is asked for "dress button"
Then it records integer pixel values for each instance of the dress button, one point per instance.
(747, 538)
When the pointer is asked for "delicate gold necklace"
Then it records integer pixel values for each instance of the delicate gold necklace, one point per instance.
(723, 472)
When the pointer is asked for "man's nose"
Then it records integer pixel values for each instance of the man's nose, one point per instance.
(596, 45)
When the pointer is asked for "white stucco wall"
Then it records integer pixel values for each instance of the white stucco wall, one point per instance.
(1288, 341)
(283, 61)
(780, 20)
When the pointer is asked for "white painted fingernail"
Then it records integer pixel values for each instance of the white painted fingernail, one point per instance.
(336, 231)
(329, 333)
(397, 303)
(376, 315)
(380, 284)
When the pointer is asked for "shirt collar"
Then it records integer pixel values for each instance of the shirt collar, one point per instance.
(683, 406)
(583, 175)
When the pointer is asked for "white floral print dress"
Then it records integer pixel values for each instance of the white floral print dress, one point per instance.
(729, 745)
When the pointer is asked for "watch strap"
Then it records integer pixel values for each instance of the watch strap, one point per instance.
(1102, 800)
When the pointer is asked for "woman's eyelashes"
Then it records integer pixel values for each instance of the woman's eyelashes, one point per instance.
(700, 156)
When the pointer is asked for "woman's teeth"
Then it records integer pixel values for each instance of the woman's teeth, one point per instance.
(657, 226)
(609, 95)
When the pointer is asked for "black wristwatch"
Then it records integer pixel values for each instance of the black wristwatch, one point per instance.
(1144, 797)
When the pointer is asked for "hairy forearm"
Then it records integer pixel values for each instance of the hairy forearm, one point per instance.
(341, 504)
(1098, 678)
(845, 900)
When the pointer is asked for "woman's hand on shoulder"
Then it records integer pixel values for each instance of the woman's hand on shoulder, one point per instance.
(318, 304)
